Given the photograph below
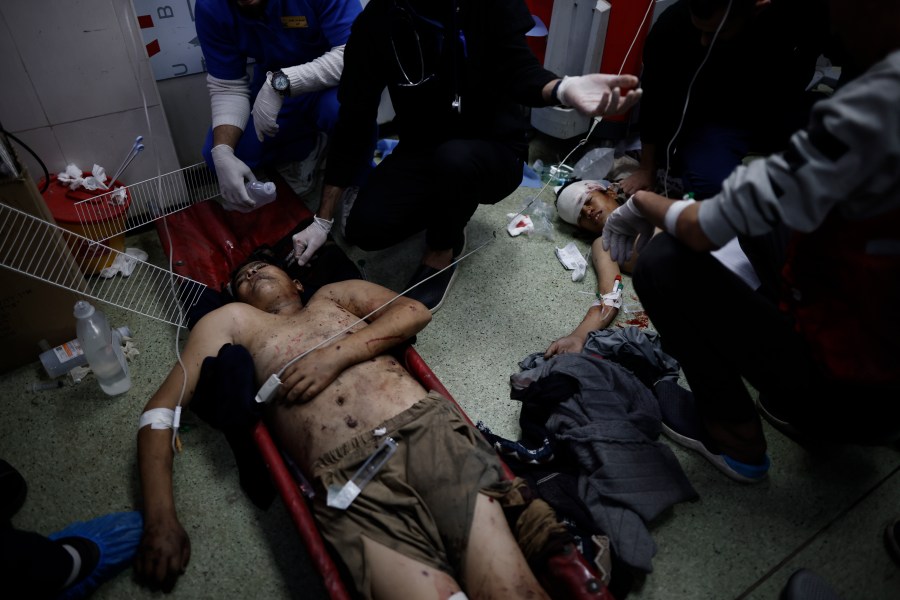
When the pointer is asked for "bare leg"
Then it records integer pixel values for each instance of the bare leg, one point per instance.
(495, 566)
(397, 576)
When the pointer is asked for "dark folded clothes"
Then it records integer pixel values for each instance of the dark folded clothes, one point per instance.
(225, 399)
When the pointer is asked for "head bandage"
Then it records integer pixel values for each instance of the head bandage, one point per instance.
(161, 418)
(573, 197)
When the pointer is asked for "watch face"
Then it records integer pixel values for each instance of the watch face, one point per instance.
(281, 82)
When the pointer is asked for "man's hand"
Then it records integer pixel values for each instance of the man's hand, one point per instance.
(622, 227)
(306, 378)
(599, 95)
(571, 344)
(163, 554)
(265, 110)
(641, 179)
(231, 172)
(311, 239)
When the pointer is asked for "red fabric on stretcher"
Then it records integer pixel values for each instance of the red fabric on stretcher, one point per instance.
(207, 244)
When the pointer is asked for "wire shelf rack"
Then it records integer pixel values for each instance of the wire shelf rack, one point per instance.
(147, 201)
(47, 252)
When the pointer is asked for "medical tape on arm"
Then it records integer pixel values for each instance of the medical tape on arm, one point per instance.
(614, 298)
(161, 418)
(672, 214)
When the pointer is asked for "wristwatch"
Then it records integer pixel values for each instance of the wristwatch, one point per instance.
(281, 83)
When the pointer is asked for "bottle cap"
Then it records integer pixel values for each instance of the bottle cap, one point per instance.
(83, 309)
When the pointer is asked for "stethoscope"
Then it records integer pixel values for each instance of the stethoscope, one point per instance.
(410, 16)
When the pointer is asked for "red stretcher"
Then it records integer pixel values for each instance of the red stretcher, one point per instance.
(206, 244)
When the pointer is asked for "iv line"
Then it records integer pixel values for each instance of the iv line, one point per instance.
(687, 98)
(598, 119)
(274, 381)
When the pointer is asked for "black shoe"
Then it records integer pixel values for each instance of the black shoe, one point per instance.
(892, 540)
(769, 412)
(806, 585)
(435, 284)
(460, 248)
(13, 490)
(682, 424)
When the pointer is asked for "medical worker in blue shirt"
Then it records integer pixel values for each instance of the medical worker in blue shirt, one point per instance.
(298, 47)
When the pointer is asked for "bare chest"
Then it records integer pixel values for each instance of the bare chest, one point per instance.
(276, 342)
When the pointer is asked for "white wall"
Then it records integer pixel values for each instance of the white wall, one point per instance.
(186, 100)
(72, 74)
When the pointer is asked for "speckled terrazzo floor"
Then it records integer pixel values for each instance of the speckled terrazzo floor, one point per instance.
(76, 449)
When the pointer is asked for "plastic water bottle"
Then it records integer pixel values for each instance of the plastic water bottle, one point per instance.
(65, 357)
(261, 192)
(103, 349)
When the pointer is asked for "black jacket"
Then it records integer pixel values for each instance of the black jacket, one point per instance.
(478, 54)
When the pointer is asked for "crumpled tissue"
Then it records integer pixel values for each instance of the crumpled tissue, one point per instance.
(73, 177)
(572, 260)
(518, 224)
(124, 263)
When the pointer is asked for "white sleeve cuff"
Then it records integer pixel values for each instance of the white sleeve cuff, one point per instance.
(229, 100)
(319, 74)
(672, 214)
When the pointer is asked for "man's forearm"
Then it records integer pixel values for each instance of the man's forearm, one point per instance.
(155, 456)
(597, 317)
(648, 156)
(227, 134)
(331, 196)
(401, 320)
(687, 228)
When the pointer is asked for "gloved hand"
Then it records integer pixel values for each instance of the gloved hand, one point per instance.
(622, 226)
(265, 110)
(231, 172)
(311, 239)
(599, 95)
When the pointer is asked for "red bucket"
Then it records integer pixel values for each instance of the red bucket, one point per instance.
(96, 215)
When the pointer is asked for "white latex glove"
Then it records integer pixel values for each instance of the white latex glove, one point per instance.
(622, 226)
(311, 239)
(231, 172)
(265, 110)
(597, 94)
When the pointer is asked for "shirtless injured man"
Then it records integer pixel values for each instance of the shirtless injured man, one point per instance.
(427, 525)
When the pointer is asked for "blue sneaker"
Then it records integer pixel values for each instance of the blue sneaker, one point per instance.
(681, 423)
(116, 536)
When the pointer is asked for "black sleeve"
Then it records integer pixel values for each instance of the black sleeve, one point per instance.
(359, 94)
(518, 71)
(657, 76)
